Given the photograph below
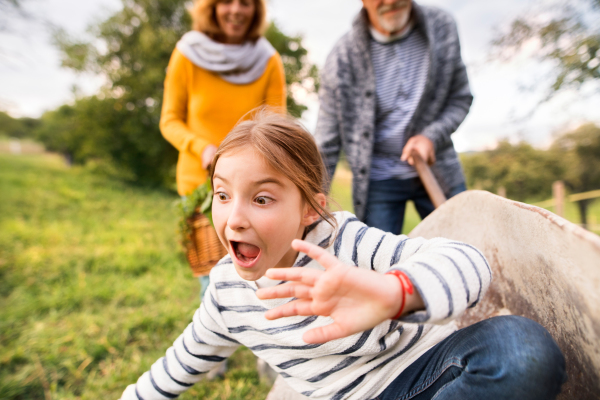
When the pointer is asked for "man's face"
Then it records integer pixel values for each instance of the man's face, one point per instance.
(388, 16)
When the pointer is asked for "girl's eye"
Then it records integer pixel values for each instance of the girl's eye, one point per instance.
(263, 200)
(222, 196)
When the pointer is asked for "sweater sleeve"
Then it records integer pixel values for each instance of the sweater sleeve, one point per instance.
(204, 344)
(276, 91)
(450, 276)
(173, 118)
(327, 133)
(459, 98)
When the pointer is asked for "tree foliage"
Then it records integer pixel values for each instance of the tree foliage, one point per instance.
(131, 49)
(299, 73)
(579, 152)
(19, 128)
(525, 172)
(8, 10)
(567, 35)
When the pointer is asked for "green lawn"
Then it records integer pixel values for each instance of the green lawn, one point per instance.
(93, 286)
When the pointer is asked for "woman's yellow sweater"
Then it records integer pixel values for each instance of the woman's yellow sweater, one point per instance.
(200, 108)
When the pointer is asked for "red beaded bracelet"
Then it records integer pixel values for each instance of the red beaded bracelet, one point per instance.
(406, 286)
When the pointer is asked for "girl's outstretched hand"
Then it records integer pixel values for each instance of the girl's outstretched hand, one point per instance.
(356, 299)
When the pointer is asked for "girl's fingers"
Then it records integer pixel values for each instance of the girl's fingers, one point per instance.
(307, 276)
(315, 252)
(324, 334)
(296, 307)
(291, 289)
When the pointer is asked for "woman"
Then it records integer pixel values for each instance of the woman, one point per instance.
(218, 72)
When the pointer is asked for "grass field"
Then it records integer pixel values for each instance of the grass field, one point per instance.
(93, 287)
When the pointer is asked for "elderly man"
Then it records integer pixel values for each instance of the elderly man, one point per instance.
(393, 84)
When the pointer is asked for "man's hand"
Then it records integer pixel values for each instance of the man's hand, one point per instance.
(356, 299)
(207, 155)
(423, 146)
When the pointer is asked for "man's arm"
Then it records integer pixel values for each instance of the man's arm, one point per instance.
(327, 133)
(457, 104)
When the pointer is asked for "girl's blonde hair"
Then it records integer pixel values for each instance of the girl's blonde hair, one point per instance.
(287, 147)
(204, 19)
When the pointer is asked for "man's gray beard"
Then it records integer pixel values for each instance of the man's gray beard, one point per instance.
(394, 25)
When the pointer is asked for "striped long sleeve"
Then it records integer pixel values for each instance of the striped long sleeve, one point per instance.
(204, 344)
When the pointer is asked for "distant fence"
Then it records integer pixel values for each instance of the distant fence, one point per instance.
(558, 201)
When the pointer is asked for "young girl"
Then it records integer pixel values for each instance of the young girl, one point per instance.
(368, 314)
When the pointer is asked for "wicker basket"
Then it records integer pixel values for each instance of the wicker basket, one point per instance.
(204, 249)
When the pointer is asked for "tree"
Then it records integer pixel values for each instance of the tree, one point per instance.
(566, 34)
(299, 73)
(525, 172)
(132, 50)
(579, 151)
(8, 10)
(19, 128)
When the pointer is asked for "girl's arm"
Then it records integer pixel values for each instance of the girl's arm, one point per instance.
(448, 276)
(173, 117)
(203, 345)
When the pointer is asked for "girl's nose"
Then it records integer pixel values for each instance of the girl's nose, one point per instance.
(238, 219)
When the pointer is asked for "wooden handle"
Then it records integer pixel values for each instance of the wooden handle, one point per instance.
(431, 184)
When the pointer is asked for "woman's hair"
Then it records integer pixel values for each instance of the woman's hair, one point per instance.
(287, 147)
(204, 19)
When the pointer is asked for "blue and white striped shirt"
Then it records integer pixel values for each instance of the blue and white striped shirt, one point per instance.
(400, 70)
(449, 275)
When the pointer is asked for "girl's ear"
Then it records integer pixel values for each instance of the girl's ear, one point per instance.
(311, 215)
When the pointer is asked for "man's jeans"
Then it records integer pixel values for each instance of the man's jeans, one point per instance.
(499, 358)
(386, 202)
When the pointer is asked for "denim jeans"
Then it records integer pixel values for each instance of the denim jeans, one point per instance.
(506, 357)
(386, 202)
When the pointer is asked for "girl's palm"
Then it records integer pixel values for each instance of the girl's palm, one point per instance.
(356, 299)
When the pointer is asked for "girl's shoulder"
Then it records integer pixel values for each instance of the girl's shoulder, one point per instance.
(323, 228)
(343, 216)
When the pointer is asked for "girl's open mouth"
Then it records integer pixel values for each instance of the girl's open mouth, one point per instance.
(246, 254)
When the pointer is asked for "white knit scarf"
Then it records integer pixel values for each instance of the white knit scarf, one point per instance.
(236, 63)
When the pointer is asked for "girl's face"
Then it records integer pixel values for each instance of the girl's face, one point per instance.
(234, 18)
(257, 213)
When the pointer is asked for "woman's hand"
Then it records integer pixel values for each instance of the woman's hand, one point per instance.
(207, 155)
(356, 299)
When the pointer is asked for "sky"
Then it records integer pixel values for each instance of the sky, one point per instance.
(32, 80)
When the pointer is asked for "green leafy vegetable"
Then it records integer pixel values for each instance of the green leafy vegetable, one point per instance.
(200, 200)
